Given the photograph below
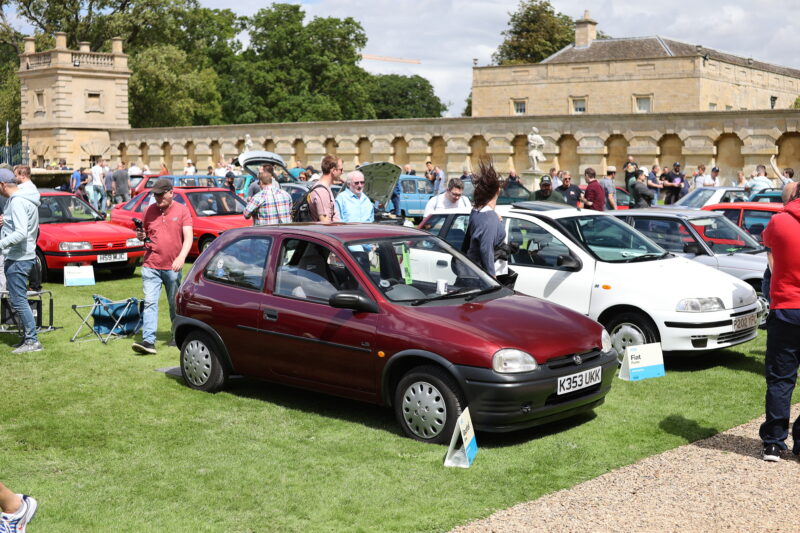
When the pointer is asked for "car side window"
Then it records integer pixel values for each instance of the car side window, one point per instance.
(733, 196)
(129, 205)
(458, 231)
(537, 246)
(666, 233)
(755, 222)
(434, 224)
(242, 263)
(730, 214)
(310, 271)
(148, 199)
(408, 186)
(424, 187)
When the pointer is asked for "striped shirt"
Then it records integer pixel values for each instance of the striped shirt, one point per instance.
(269, 206)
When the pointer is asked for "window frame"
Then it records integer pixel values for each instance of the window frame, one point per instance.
(265, 269)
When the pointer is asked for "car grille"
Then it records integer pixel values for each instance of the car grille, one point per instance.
(734, 336)
(555, 399)
(105, 246)
(569, 360)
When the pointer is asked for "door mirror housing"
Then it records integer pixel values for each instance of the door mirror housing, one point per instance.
(569, 262)
(693, 248)
(353, 300)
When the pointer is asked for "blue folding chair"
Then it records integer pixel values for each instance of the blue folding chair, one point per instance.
(111, 319)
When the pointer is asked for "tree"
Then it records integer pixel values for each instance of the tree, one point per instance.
(468, 107)
(796, 104)
(166, 91)
(395, 96)
(535, 32)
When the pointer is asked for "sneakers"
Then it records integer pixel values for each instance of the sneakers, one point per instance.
(771, 452)
(15, 523)
(29, 346)
(20, 343)
(144, 348)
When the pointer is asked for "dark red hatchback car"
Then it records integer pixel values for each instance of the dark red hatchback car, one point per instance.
(388, 315)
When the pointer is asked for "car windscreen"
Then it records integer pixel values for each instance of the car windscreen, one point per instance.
(611, 240)
(55, 209)
(723, 236)
(216, 203)
(696, 199)
(419, 270)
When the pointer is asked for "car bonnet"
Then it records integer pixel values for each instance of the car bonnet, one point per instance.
(256, 158)
(379, 181)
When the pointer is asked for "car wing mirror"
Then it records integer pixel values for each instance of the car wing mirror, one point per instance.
(353, 300)
(692, 248)
(569, 262)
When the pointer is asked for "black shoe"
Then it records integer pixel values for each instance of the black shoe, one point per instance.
(771, 452)
(144, 348)
(796, 448)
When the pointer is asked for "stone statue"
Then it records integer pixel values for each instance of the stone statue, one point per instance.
(535, 145)
(248, 142)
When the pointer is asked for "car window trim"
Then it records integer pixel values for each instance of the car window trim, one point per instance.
(559, 237)
(263, 275)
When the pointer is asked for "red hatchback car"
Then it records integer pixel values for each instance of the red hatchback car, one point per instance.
(213, 211)
(71, 232)
(388, 315)
(751, 216)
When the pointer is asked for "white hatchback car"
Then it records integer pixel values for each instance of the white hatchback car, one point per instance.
(595, 264)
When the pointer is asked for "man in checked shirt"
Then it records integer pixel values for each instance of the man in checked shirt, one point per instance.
(272, 205)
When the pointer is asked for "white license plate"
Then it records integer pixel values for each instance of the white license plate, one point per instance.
(581, 380)
(112, 258)
(745, 322)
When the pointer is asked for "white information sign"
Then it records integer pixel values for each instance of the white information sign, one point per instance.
(642, 362)
(462, 456)
(75, 276)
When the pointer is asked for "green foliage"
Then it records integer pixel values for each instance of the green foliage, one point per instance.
(10, 105)
(535, 32)
(395, 96)
(468, 107)
(166, 91)
(796, 104)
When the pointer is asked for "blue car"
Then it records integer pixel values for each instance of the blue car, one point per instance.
(415, 191)
(767, 195)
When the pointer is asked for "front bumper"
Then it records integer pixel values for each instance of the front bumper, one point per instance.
(705, 331)
(508, 402)
(58, 260)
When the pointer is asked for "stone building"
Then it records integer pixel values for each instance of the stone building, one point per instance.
(631, 75)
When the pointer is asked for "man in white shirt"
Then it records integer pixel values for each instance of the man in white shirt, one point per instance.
(189, 169)
(221, 169)
(134, 170)
(98, 189)
(453, 198)
(701, 179)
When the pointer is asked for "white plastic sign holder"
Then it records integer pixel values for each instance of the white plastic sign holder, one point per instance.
(462, 456)
(642, 362)
(75, 276)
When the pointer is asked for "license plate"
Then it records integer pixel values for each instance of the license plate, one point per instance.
(745, 322)
(581, 380)
(112, 258)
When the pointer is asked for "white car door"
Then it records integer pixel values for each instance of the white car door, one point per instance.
(538, 269)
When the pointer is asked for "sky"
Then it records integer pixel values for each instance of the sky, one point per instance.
(445, 35)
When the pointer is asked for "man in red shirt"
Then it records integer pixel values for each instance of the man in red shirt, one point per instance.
(783, 326)
(595, 194)
(168, 229)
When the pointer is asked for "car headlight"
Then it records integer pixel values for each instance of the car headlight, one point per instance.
(132, 243)
(72, 246)
(700, 305)
(510, 361)
(605, 341)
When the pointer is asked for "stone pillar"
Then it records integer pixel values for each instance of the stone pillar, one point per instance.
(284, 146)
(29, 45)
(227, 149)
(83, 46)
(179, 155)
(382, 149)
(458, 150)
(419, 150)
(315, 150)
(645, 151)
(591, 153)
(757, 150)
(120, 59)
(133, 153)
(202, 154)
(551, 152)
(697, 150)
(501, 152)
(348, 151)
(61, 40)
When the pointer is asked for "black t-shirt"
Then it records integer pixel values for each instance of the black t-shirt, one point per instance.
(630, 171)
(571, 194)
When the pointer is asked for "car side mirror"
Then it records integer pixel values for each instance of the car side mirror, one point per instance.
(354, 300)
(568, 262)
(693, 248)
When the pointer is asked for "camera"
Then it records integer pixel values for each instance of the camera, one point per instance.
(140, 227)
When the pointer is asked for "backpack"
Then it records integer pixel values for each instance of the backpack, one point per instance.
(300, 211)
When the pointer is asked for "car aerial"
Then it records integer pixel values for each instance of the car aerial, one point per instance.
(513, 192)
(711, 195)
(179, 181)
(597, 265)
(213, 211)
(389, 315)
(71, 232)
(770, 195)
(623, 198)
(751, 216)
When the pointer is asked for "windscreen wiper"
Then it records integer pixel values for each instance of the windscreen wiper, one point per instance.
(450, 294)
(646, 257)
(487, 290)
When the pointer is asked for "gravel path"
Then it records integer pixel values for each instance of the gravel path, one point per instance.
(716, 484)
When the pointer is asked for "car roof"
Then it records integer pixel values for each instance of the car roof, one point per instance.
(758, 206)
(769, 192)
(671, 212)
(345, 231)
(533, 205)
(54, 192)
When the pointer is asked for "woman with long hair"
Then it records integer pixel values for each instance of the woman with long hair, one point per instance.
(485, 232)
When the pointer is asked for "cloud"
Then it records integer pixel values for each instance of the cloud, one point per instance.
(445, 35)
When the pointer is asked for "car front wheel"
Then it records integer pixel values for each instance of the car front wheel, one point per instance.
(201, 366)
(630, 329)
(427, 403)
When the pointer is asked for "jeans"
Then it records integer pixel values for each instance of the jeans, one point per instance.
(151, 283)
(396, 204)
(17, 273)
(99, 198)
(122, 197)
(780, 369)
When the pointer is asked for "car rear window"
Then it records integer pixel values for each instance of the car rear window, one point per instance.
(241, 263)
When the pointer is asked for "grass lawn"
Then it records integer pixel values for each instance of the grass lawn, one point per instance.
(106, 443)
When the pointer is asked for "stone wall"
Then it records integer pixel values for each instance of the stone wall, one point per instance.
(733, 140)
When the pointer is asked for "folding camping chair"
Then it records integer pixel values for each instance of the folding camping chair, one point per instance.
(112, 319)
(41, 303)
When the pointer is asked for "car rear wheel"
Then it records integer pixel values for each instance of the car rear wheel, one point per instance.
(630, 329)
(205, 242)
(201, 366)
(427, 403)
(42, 265)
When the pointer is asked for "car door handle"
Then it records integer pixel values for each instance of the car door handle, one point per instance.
(271, 314)
(441, 263)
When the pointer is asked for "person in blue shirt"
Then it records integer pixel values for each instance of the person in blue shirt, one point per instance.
(75, 180)
(352, 202)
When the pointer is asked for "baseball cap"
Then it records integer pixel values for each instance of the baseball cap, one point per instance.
(546, 181)
(163, 185)
(676, 164)
(715, 169)
(230, 174)
(611, 168)
(6, 176)
(189, 161)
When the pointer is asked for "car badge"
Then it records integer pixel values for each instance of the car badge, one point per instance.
(110, 244)
(578, 359)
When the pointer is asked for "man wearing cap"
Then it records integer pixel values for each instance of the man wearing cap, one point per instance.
(20, 222)
(714, 178)
(609, 187)
(546, 192)
(168, 226)
(189, 169)
(673, 184)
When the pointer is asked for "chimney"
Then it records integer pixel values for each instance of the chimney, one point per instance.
(585, 30)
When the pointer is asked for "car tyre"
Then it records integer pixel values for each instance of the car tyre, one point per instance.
(427, 403)
(201, 367)
(630, 329)
(205, 243)
(42, 264)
